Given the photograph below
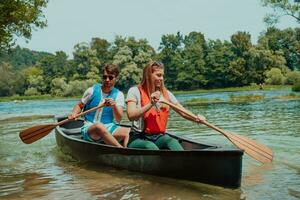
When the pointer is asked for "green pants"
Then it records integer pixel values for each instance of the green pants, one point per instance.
(163, 142)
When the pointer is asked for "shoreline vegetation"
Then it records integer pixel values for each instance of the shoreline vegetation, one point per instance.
(198, 101)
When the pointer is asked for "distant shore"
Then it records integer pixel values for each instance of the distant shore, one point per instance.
(18, 98)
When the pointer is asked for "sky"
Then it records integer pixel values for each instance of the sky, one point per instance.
(73, 21)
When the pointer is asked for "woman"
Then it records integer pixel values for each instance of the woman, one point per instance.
(148, 115)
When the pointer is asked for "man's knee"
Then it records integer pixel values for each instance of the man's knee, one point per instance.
(100, 129)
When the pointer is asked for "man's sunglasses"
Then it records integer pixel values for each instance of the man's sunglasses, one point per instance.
(108, 76)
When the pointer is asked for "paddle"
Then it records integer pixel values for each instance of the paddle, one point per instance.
(35, 133)
(255, 150)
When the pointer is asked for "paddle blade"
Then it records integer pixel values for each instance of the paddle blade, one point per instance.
(254, 149)
(35, 133)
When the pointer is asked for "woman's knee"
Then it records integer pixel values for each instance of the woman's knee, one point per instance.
(150, 145)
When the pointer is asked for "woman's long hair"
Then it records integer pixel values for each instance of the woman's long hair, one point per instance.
(147, 82)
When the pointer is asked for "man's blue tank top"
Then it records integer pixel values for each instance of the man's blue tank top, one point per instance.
(107, 112)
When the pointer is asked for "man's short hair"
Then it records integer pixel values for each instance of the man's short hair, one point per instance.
(111, 69)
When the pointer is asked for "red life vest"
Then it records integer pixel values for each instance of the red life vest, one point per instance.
(155, 121)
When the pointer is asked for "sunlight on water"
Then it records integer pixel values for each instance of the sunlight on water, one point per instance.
(41, 171)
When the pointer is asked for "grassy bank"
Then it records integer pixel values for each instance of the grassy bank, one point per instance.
(18, 98)
(236, 89)
(232, 99)
(291, 96)
(233, 89)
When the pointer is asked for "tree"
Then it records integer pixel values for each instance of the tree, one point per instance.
(102, 48)
(6, 79)
(282, 8)
(85, 59)
(192, 72)
(219, 65)
(287, 41)
(171, 56)
(19, 17)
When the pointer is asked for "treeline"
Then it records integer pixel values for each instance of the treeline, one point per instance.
(191, 62)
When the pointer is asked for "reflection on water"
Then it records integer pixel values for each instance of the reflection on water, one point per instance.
(41, 171)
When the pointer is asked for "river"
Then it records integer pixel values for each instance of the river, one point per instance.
(41, 171)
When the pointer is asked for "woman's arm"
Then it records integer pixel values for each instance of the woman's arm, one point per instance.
(134, 113)
(191, 116)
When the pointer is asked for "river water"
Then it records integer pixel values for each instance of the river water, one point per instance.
(41, 171)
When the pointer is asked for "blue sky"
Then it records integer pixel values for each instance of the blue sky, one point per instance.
(73, 21)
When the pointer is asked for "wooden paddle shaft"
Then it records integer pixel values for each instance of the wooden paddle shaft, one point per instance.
(194, 117)
(81, 114)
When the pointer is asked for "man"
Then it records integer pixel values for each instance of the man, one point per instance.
(101, 124)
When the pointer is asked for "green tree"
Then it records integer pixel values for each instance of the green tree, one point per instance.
(192, 72)
(282, 8)
(171, 56)
(219, 66)
(102, 48)
(260, 60)
(19, 17)
(287, 41)
(85, 59)
(6, 79)
(129, 76)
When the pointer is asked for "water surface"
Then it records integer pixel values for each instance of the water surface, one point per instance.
(41, 171)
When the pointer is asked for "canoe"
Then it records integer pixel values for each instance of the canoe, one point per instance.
(198, 162)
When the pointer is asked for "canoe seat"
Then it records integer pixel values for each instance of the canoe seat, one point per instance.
(72, 131)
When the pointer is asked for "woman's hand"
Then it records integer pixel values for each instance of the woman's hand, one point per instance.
(200, 119)
(154, 97)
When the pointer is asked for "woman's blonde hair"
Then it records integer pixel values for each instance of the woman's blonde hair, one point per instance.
(147, 82)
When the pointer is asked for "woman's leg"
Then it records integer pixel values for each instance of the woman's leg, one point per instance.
(142, 144)
(167, 142)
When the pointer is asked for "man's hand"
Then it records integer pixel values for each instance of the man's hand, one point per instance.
(109, 102)
(72, 116)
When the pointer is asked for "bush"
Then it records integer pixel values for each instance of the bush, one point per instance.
(296, 87)
(77, 88)
(292, 77)
(58, 86)
(274, 77)
(31, 92)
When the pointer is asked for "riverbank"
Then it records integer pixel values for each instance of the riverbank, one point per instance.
(18, 98)
(236, 89)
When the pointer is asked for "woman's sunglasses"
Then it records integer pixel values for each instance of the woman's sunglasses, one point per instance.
(157, 63)
(108, 76)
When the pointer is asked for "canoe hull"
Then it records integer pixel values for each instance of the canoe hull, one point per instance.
(206, 164)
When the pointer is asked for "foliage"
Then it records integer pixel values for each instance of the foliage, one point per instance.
(20, 58)
(31, 92)
(274, 77)
(77, 87)
(58, 86)
(19, 17)
(285, 42)
(292, 77)
(282, 8)
(129, 76)
(191, 63)
(296, 87)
